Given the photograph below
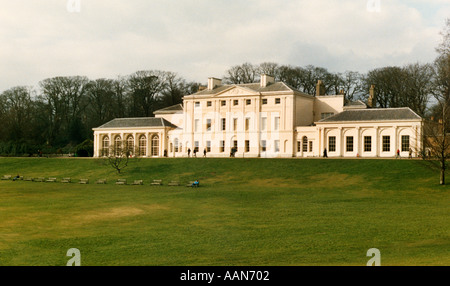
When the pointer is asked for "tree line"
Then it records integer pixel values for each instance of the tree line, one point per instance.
(407, 86)
(58, 115)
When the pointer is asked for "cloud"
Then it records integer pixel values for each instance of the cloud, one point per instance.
(197, 39)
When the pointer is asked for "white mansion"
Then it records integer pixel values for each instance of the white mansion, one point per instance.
(265, 119)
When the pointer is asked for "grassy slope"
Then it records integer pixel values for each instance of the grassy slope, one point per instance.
(247, 212)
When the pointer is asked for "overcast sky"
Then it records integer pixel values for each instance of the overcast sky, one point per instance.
(202, 38)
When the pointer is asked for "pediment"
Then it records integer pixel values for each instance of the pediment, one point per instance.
(236, 91)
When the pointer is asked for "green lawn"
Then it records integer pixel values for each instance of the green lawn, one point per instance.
(246, 212)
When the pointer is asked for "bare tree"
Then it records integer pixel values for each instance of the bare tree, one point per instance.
(245, 73)
(351, 85)
(118, 155)
(436, 134)
(146, 89)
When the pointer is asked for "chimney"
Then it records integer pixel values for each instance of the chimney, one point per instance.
(320, 88)
(372, 101)
(213, 83)
(266, 80)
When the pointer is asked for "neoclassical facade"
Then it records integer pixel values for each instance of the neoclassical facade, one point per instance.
(264, 119)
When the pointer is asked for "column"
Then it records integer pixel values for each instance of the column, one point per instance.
(377, 142)
(357, 142)
(396, 145)
(149, 143)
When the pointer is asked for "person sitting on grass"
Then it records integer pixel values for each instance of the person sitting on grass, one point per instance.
(195, 184)
(16, 177)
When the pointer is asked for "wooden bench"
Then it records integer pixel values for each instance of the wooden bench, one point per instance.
(138, 182)
(51, 180)
(84, 181)
(173, 183)
(66, 180)
(101, 181)
(156, 182)
(39, 179)
(121, 182)
(6, 177)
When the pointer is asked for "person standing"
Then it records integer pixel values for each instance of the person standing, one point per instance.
(325, 155)
(189, 152)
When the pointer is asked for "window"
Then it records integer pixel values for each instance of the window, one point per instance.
(247, 124)
(224, 124)
(235, 102)
(332, 143)
(130, 144)
(142, 145)
(276, 123)
(305, 144)
(326, 115)
(222, 146)
(197, 104)
(196, 146)
(386, 143)
(235, 124)
(208, 124)
(235, 145)
(277, 100)
(263, 145)
(196, 123)
(349, 145)
(299, 146)
(105, 146)
(247, 146)
(405, 143)
(310, 146)
(208, 146)
(264, 123)
(248, 101)
(175, 143)
(277, 145)
(208, 103)
(367, 143)
(264, 101)
(155, 145)
(117, 146)
(223, 103)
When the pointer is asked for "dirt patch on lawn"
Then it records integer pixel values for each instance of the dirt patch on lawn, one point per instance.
(278, 182)
(116, 213)
(334, 179)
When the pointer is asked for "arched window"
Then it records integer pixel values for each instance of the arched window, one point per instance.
(105, 146)
(118, 146)
(142, 145)
(175, 144)
(305, 144)
(155, 145)
(130, 144)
